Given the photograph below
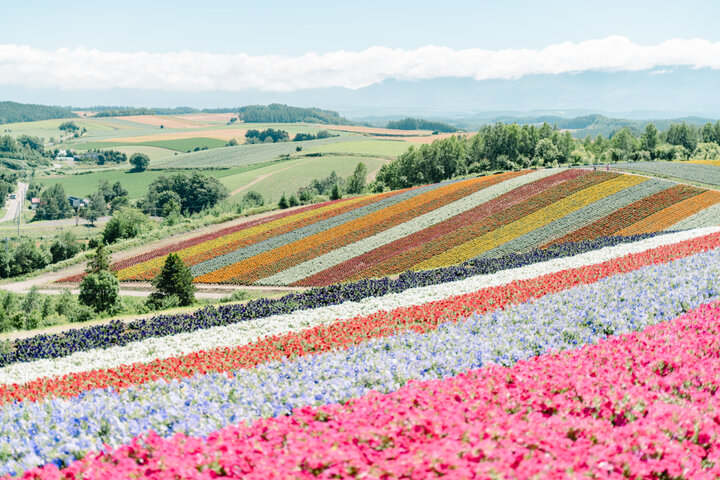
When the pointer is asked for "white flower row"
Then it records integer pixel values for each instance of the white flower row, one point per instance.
(245, 332)
(342, 254)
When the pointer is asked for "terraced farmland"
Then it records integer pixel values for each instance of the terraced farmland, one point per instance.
(435, 226)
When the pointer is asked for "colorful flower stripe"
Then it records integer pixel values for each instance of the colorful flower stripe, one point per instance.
(638, 400)
(431, 207)
(574, 220)
(530, 222)
(373, 263)
(389, 199)
(223, 269)
(673, 214)
(287, 276)
(203, 238)
(504, 209)
(631, 214)
(139, 271)
(341, 334)
(707, 217)
(486, 274)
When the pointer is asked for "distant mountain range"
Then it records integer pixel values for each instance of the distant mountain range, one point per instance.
(658, 93)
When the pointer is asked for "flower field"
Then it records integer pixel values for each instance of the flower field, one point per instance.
(434, 226)
(705, 172)
(596, 358)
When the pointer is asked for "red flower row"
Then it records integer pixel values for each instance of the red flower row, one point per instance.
(420, 318)
(642, 405)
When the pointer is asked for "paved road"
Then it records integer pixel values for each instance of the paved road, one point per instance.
(13, 206)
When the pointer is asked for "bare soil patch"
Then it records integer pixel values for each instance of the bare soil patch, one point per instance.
(221, 134)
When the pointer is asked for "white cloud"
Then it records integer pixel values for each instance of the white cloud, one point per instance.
(82, 68)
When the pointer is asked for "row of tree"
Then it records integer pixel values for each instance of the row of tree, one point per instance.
(13, 112)
(279, 113)
(269, 135)
(420, 124)
(502, 147)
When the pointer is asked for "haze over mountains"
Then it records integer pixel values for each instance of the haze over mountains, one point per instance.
(671, 92)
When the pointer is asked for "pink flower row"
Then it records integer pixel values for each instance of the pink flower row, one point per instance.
(642, 405)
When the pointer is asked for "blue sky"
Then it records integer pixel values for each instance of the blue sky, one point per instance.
(294, 28)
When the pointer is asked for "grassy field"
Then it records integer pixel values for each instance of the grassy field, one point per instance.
(241, 155)
(387, 148)
(178, 145)
(135, 183)
(288, 177)
(155, 153)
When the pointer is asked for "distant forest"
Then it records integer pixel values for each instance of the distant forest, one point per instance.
(277, 113)
(503, 147)
(13, 112)
(420, 124)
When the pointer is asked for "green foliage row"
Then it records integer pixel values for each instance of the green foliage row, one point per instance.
(13, 112)
(279, 113)
(420, 124)
(26, 255)
(269, 135)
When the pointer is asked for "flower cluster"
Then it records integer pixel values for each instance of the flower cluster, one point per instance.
(638, 405)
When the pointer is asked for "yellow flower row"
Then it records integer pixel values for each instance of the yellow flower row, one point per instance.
(530, 222)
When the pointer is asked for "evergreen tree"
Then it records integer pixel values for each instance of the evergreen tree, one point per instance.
(174, 280)
(335, 195)
(283, 203)
(356, 182)
(54, 204)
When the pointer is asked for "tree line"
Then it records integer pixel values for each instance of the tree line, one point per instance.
(279, 113)
(13, 112)
(502, 147)
(420, 124)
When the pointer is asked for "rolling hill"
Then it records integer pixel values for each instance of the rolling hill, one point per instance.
(435, 226)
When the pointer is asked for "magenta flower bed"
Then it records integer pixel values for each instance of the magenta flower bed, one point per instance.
(642, 405)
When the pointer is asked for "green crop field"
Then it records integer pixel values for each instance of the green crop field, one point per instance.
(290, 176)
(241, 155)
(153, 152)
(387, 148)
(178, 145)
(136, 183)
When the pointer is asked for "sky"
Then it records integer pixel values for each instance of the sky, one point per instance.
(286, 46)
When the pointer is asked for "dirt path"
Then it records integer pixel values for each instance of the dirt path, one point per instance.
(263, 177)
(14, 205)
